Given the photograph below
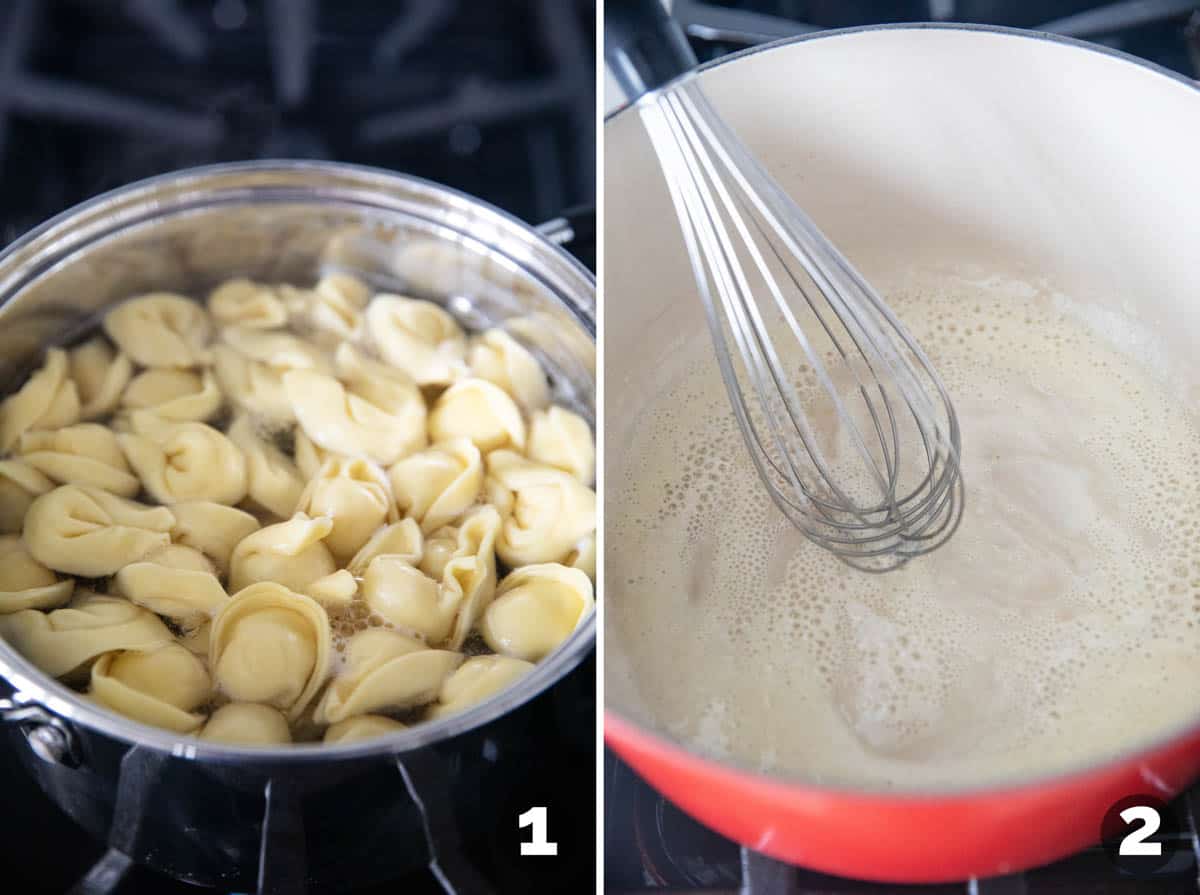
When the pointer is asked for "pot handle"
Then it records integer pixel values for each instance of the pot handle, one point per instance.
(643, 46)
(48, 735)
(576, 223)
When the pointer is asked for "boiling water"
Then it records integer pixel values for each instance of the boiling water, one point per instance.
(1061, 624)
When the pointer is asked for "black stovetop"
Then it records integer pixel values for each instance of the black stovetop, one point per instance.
(494, 98)
(650, 846)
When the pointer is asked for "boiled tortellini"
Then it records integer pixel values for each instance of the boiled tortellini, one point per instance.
(272, 480)
(498, 358)
(175, 395)
(475, 680)
(254, 387)
(341, 421)
(333, 307)
(60, 641)
(84, 454)
(242, 302)
(49, 400)
(247, 724)
(20, 483)
(551, 510)
(356, 496)
(437, 551)
(470, 573)
(407, 598)
(25, 583)
(272, 646)
(558, 437)
(177, 582)
(161, 687)
(292, 553)
(361, 727)
(583, 556)
(439, 484)
(385, 670)
(81, 530)
(212, 528)
(417, 337)
(161, 330)
(402, 539)
(536, 608)
(329, 477)
(478, 410)
(184, 461)
(100, 375)
(278, 349)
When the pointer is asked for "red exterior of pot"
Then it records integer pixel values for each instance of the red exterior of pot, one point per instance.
(909, 837)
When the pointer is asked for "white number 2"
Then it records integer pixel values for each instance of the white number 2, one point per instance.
(1135, 843)
(536, 817)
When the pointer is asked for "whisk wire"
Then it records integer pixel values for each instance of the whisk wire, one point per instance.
(739, 229)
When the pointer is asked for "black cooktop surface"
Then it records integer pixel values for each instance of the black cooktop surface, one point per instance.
(495, 98)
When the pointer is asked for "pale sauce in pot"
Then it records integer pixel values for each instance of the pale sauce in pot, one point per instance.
(1059, 626)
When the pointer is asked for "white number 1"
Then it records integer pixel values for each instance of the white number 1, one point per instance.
(536, 817)
(1135, 843)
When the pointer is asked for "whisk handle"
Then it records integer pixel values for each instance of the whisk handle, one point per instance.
(643, 46)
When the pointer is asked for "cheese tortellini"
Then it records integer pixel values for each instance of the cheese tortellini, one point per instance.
(536, 608)
(356, 496)
(475, 680)
(242, 302)
(81, 530)
(247, 724)
(177, 582)
(478, 410)
(292, 553)
(290, 513)
(162, 687)
(179, 396)
(254, 387)
(438, 485)
(402, 539)
(333, 307)
(272, 480)
(25, 583)
(100, 375)
(272, 646)
(62, 640)
(361, 727)
(20, 483)
(385, 670)
(49, 400)
(551, 511)
(341, 421)
(500, 359)
(184, 461)
(418, 337)
(84, 454)
(212, 528)
(160, 330)
(558, 437)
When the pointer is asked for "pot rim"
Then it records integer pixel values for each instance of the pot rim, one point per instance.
(34, 687)
(621, 729)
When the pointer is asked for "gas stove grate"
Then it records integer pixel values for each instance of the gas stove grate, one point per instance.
(496, 99)
(653, 848)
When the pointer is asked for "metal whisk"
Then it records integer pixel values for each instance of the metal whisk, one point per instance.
(848, 424)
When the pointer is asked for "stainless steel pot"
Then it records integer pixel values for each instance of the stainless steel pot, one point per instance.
(306, 814)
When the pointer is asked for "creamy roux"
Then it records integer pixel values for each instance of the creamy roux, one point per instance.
(1060, 625)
